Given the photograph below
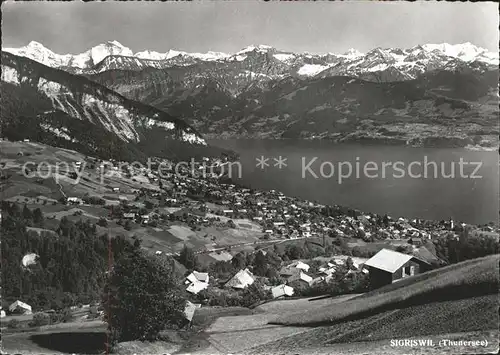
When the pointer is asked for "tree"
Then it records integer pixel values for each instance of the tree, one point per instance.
(102, 222)
(294, 252)
(239, 261)
(40, 319)
(260, 264)
(349, 263)
(188, 258)
(27, 213)
(141, 297)
(38, 217)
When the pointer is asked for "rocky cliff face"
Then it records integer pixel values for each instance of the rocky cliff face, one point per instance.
(31, 90)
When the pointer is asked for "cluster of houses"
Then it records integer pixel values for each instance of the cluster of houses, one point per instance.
(385, 267)
(280, 216)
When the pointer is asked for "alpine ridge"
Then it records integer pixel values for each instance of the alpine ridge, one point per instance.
(403, 63)
(40, 102)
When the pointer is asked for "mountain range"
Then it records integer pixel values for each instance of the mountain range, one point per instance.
(431, 94)
(55, 107)
(407, 63)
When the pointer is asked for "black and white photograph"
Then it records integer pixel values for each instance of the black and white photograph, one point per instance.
(249, 177)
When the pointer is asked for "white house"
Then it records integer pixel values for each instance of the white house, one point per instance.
(299, 275)
(302, 266)
(75, 200)
(197, 281)
(196, 287)
(298, 265)
(20, 307)
(198, 276)
(281, 291)
(241, 280)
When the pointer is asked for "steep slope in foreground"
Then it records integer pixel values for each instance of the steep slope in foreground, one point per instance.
(473, 278)
(59, 108)
(474, 319)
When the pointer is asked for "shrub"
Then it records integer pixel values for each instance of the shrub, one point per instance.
(40, 319)
(102, 222)
(13, 324)
(128, 225)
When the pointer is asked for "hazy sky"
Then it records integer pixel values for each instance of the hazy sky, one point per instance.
(228, 26)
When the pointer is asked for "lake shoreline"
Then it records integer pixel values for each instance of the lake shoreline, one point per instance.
(463, 199)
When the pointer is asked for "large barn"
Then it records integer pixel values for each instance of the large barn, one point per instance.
(388, 266)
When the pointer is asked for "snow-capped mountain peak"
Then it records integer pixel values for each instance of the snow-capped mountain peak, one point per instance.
(352, 53)
(464, 51)
(410, 61)
(152, 55)
(101, 51)
(262, 48)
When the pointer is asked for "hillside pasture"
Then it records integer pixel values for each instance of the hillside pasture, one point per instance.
(456, 319)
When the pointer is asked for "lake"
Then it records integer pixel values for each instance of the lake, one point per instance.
(429, 183)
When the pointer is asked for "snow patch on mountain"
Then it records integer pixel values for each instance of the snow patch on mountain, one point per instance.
(284, 57)
(192, 138)
(209, 56)
(62, 132)
(50, 88)
(150, 55)
(10, 75)
(261, 48)
(154, 123)
(311, 69)
(239, 58)
(351, 54)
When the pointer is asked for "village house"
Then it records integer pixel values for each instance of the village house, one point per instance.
(20, 308)
(298, 275)
(75, 200)
(197, 282)
(241, 280)
(388, 266)
(281, 291)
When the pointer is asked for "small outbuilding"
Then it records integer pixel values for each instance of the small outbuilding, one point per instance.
(281, 291)
(388, 266)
